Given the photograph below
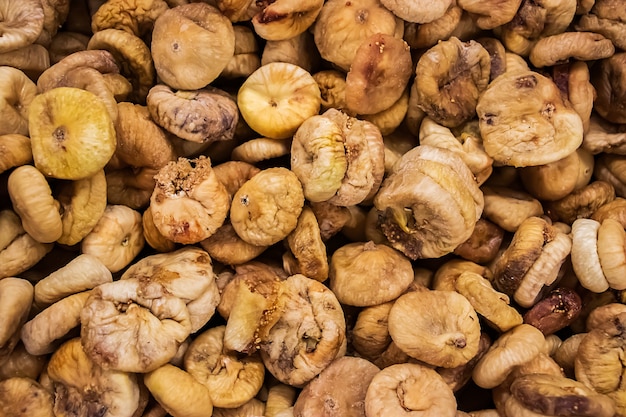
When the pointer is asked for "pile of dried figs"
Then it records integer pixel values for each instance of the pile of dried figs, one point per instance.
(305, 208)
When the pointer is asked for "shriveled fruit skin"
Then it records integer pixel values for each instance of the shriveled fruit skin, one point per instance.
(338, 390)
(525, 122)
(191, 45)
(429, 204)
(442, 327)
(188, 203)
(266, 208)
(308, 335)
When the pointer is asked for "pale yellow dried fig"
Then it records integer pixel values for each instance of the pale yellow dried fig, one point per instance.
(82, 273)
(131, 326)
(43, 333)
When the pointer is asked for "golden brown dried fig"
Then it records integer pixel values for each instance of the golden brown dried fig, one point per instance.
(82, 203)
(117, 237)
(140, 141)
(16, 299)
(440, 328)
(515, 347)
(603, 136)
(256, 150)
(32, 200)
(339, 389)
(524, 120)
(267, 206)
(441, 199)
(583, 46)
(308, 335)
(597, 365)
(25, 397)
(428, 34)
(18, 250)
(196, 400)
(232, 379)
(449, 78)
(66, 43)
(133, 56)
(338, 158)
(509, 207)
(490, 304)
(379, 74)
(299, 50)
(307, 248)
(188, 203)
(17, 92)
(342, 26)
(361, 274)
(608, 79)
(134, 16)
(422, 11)
(603, 17)
(490, 15)
(484, 243)
(15, 150)
(191, 45)
(581, 203)
(285, 19)
(409, 388)
(227, 247)
(556, 180)
(81, 387)
(22, 24)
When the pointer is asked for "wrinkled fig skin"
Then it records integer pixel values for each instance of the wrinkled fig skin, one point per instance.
(520, 255)
(609, 78)
(339, 390)
(450, 76)
(202, 116)
(555, 311)
(556, 395)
